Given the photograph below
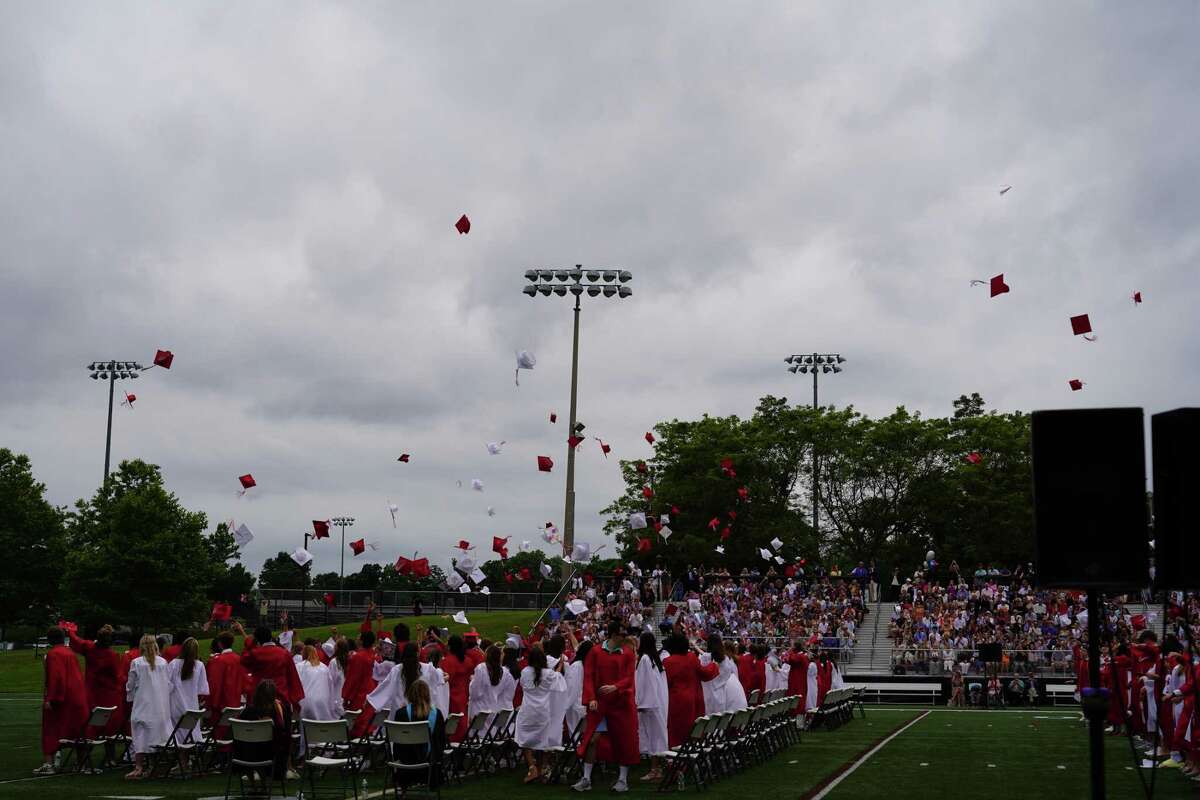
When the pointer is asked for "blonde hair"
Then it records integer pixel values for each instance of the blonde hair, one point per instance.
(310, 655)
(149, 649)
(418, 696)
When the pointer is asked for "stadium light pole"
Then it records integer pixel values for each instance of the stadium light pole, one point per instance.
(112, 371)
(596, 282)
(343, 523)
(816, 363)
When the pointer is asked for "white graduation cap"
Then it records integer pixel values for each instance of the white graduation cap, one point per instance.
(637, 520)
(776, 543)
(491, 511)
(779, 559)
(627, 585)
(545, 570)
(525, 546)
(513, 640)
(720, 549)
(577, 606)
(694, 604)
(765, 553)
(477, 484)
(242, 535)
(550, 535)
(464, 589)
(461, 618)
(301, 556)
(454, 580)
(394, 510)
(478, 576)
(664, 518)
(666, 532)
(485, 590)
(582, 551)
(525, 360)
(494, 447)
(465, 564)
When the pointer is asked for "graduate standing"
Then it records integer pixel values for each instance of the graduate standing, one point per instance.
(226, 681)
(651, 698)
(608, 693)
(360, 681)
(458, 669)
(102, 677)
(539, 685)
(148, 688)
(685, 698)
(724, 692)
(189, 683)
(64, 699)
(491, 685)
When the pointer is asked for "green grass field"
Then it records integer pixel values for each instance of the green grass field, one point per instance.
(969, 754)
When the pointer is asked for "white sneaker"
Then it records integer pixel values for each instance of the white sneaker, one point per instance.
(620, 786)
(584, 785)
(44, 769)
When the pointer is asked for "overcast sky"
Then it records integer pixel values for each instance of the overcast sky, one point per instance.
(269, 190)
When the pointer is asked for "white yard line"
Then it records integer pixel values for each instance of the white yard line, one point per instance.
(833, 784)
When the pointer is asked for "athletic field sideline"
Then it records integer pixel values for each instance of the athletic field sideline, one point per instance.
(895, 751)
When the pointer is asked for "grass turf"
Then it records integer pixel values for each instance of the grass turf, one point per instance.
(21, 672)
(956, 747)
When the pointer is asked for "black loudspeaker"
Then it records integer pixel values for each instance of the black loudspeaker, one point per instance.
(1089, 499)
(1175, 436)
(990, 652)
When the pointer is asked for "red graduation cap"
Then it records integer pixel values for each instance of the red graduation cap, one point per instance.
(247, 482)
(658, 526)
(574, 441)
(649, 437)
(726, 463)
(403, 457)
(998, 286)
(403, 566)
(974, 457)
(645, 546)
(603, 447)
(320, 529)
(714, 523)
(463, 225)
(790, 571)
(420, 568)
(674, 509)
(733, 515)
(545, 464)
(641, 467)
(508, 577)
(725, 533)
(329, 598)
(553, 417)
(358, 546)
(129, 399)
(163, 358)
(1137, 298)
(1075, 384)
(743, 493)
(647, 492)
(463, 544)
(498, 545)
(524, 574)
(1081, 326)
(222, 611)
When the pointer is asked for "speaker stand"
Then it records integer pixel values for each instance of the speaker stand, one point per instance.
(1095, 698)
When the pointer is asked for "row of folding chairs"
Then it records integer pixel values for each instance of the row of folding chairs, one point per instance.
(720, 745)
(838, 707)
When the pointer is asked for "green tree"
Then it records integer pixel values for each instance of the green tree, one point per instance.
(135, 555)
(31, 538)
(230, 580)
(281, 572)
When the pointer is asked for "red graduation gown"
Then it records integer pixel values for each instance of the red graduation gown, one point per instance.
(227, 680)
(127, 658)
(824, 679)
(745, 671)
(459, 672)
(65, 695)
(274, 662)
(102, 680)
(172, 651)
(360, 681)
(617, 668)
(685, 698)
(798, 679)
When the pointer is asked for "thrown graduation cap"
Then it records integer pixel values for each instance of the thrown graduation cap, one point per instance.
(545, 570)
(461, 618)
(645, 545)
(466, 564)
(491, 512)
(577, 606)
(714, 523)
(574, 441)
(129, 400)
(649, 437)
(765, 553)
(1082, 326)
(582, 551)
(524, 574)
(641, 467)
(464, 589)
(1075, 384)
(603, 447)
(320, 529)
(525, 360)
(477, 484)
(247, 482)
(163, 358)
(776, 543)
(513, 641)
(500, 545)
(454, 580)
(720, 549)
(647, 492)
(477, 575)
(664, 518)
(463, 225)
(665, 532)
(1137, 298)
(526, 546)
(1004, 189)
(579, 426)
(494, 447)
(743, 493)
(358, 546)
(637, 520)
(301, 556)
(485, 590)
(463, 545)
(725, 533)
(553, 417)
(545, 463)
(242, 535)
(974, 457)
(403, 458)
(394, 510)
(997, 285)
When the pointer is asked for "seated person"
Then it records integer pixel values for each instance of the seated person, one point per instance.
(420, 709)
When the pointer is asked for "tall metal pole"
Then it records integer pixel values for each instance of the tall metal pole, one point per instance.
(569, 509)
(816, 469)
(304, 582)
(342, 569)
(1095, 702)
(112, 385)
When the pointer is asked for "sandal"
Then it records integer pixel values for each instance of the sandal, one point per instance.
(136, 775)
(532, 775)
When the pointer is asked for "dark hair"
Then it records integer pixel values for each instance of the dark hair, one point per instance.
(410, 665)
(191, 650)
(537, 660)
(55, 636)
(399, 635)
(716, 648)
(648, 646)
(492, 660)
(264, 697)
(341, 652)
(555, 645)
(104, 636)
(225, 640)
(676, 644)
(582, 651)
(179, 637)
(161, 642)
(262, 634)
(435, 656)
(512, 662)
(614, 628)
(455, 643)
(367, 638)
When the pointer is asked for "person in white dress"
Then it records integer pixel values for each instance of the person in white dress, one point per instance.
(148, 688)
(337, 672)
(810, 695)
(391, 694)
(189, 683)
(650, 696)
(538, 685)
(724, 692)
(440, 692)
(554, 648)
(490, 684)
(576, 711)
(319, 703)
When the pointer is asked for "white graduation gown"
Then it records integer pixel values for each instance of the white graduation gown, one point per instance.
(575, 709)
(319, 702)
(559, 702)
(337, 678)
(483, 696)
(534, 720)
(835, 679)
(810, 697)
(150, 692)
(390, 693)
(185, 695)
(381, 669)
(650, 692)
(724, 692)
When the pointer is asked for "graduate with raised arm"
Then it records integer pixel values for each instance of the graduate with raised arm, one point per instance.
(103, 676)
(227, 681)
(64, 699)
(724, 692)
(264, 659)
(539, 686)
(609, 694)
(392, 692)
(458, 671)
(490, 688)
(360, 681)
